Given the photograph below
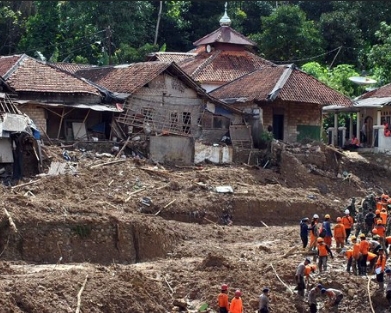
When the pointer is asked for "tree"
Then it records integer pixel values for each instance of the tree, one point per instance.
(42, 30)
(288, 36)
(379, 55)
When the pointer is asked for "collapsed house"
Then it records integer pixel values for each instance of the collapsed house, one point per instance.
(167, 116)
(20, 152)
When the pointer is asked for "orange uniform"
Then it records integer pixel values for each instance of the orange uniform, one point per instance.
(236, 305)
(347, 221)
(356, 251)
(349, 254)
(379, 205)
(381, 230)
(371, 256)
(383, 216)
(381, 262)
(223, 301)
(388, 240)
(339, 235)
(364, 247)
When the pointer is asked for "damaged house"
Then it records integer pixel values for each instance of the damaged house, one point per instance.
(62, 105)
(166, 114)
(20, 153)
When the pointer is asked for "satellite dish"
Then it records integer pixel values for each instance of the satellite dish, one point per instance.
(208, 48)
(360, 80)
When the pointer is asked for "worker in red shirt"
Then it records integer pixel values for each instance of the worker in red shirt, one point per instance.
(356, 254)
(222, 299)
(236, 305)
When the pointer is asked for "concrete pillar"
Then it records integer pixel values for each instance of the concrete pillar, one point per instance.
(351, 127)
(335, 134)
(358, 127)
(378, 118)
(343, 129)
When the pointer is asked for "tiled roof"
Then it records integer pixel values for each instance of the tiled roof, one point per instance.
(222, 66)
(7, 62)
(225, 34)
(176, 57)
(296, 87)
(124, 78)
(71, 67)
(29, 74)
(382, 92)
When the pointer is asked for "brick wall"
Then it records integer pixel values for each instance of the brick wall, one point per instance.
(38, 115)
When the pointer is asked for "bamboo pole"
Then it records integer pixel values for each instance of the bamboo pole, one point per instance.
(281, 279)
(79, 295)
(369, 294)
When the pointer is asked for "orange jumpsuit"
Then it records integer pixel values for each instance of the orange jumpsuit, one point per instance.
(236, 305)
(223, 301)
(339, 235)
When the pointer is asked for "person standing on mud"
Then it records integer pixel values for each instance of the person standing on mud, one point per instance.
(312, 295)
(236, 305)
(348, 222)
(304, 231)
(314, 233)
(369, 221)
(326, 225)
(339, 235)
(264, 301)
(299, 277)
(323, 252)
(222, 299)
(379, 269)
(364, 249)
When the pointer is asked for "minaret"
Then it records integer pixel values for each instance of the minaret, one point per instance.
(225, 20)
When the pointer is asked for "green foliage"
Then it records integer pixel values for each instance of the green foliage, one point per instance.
(379, 55)
(289, 36)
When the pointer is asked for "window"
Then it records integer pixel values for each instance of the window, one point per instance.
(173, 120)
(148, 114)
(186, 119)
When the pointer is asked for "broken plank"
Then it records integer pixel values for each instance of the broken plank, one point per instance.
(26, 184)
(133, 193)
(166, 206)
(107, 163)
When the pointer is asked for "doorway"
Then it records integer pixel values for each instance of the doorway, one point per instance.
(278, 126)
(369, 131)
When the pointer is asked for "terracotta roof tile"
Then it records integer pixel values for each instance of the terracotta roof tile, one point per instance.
(7, 62)
(299, 87)
(382, 92)
(71, 67)
(222, 66)
(29, 74)
(176, 57)
(124, 78)
(225, 34)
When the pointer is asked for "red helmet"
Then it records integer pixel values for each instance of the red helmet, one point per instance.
(238, 293)
(224, 287)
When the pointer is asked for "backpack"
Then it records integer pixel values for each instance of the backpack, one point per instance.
(322, 231)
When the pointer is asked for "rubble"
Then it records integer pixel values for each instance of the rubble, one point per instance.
(175, 250)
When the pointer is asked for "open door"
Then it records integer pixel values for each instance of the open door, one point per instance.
(278, 126)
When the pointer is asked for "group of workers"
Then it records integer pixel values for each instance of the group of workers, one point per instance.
(369, 244)
(236, 304)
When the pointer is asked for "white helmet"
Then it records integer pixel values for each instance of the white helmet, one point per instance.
(315, 216)
(347, 211)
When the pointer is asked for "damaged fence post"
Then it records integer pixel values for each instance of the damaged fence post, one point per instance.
(10, 221)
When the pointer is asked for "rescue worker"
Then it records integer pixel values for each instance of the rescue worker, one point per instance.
(384, 215)
(304, 231)
(364, 249)
(381, 233)
(334, 296)
(376, 218)
(360, 225)
(388, 288)
(222, 299)
(311, 268)
(236, 305)
(349, 256)
(379, 269)
(348, 222)
(327, 226)
(339, 234)
(264, 301)
(299, 277)
(314, 232)
(374, 244)
(312, 295)
(369, 221)
(355, 254)
(323, 252)
(372, 258)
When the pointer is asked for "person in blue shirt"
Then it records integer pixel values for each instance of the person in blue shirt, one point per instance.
(304, 231)
(327, 227)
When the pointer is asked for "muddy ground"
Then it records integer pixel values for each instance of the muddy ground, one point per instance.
(108, 234)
